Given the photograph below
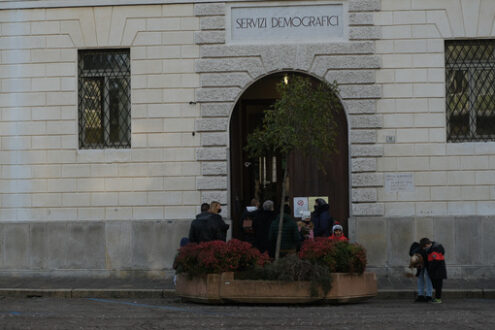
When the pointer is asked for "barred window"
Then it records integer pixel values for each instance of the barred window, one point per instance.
(470, 83)
(104, 99)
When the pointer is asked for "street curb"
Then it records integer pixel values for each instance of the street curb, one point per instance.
(87, 293)
(446, 294)
(168, 293)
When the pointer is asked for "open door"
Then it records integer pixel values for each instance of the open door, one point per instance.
(262, 178)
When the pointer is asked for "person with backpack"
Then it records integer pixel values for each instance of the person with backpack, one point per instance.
(247, 219)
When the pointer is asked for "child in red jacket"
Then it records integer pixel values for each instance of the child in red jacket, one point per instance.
(338, 233)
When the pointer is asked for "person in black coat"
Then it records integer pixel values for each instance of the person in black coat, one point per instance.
(290, 237)
(261, 226)
(321, 219)
(436, 266)
(198, 231)
(208, 225)
(216, 226)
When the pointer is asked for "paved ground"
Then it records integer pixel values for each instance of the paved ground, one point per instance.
(171, 313)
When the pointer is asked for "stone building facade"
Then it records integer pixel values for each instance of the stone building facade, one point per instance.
(74, 211)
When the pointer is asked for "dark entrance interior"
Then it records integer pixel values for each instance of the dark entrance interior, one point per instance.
(262, 178)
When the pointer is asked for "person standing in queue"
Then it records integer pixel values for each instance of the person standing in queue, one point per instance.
(216, 226)
(338, 234)
(291, 239)
(321, 218)
(247, 221)
(199, 227)
(261, 226)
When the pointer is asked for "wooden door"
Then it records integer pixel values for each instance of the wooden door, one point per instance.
(305, 179)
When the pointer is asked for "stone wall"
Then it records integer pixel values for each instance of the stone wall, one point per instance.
(118, 248)
(468, 243)
(453, 199)
(118, 211)
(226, 70)
(451, 179)
(44, 176)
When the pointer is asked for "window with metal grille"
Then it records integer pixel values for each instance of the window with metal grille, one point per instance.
(104, 99)
(470, 83)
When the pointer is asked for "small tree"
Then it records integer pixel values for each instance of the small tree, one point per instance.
(302, 120)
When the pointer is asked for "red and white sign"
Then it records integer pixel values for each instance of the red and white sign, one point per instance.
(300, 205)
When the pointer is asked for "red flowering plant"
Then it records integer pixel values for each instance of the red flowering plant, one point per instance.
(338, 256)
(217, 257)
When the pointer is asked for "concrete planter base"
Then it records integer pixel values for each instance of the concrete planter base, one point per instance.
(223, 288)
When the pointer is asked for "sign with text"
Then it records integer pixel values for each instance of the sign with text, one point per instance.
(300, 206)
(291, 23)
(397, 182)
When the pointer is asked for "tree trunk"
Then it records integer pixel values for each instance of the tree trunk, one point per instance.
(281, 219)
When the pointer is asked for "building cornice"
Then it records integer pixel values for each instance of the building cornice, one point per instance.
(25, 4)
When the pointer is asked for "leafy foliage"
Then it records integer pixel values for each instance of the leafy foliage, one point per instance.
(292, 268)
(302, 119)
(217, 257)
(337, 256)
(316, 261)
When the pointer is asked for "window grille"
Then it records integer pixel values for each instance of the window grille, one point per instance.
(470, 94)
(104, 99)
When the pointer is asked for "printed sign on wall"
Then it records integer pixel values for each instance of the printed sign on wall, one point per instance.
(300, 206)
(289, 23)
(397, 182)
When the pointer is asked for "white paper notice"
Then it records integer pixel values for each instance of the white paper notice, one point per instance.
(397, 182)
(300, 205)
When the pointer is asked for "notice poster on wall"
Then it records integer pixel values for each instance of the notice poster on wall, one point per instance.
(399, 182)
(312, 201)
(300, 206)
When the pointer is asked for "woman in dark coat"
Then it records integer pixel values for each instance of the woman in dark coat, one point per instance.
(321, 219)
(436, 266)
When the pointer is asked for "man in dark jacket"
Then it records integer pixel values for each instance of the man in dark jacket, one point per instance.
(208, 225)
(198, 232)
(261, 226)
(321, 219)
(436, 266)
(217, 227)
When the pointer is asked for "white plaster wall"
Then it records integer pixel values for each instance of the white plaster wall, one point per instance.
(43, 175)
(450, 178)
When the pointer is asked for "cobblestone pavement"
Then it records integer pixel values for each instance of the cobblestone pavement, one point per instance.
(171, 313)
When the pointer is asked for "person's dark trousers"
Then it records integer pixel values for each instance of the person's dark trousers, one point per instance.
(437, 285)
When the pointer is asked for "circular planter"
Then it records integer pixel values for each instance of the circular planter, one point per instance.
(223, 288)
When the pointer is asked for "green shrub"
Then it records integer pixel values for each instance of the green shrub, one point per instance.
(291, 268)
(337, 256)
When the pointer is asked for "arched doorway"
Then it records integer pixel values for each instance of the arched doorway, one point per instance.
(262, 178)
